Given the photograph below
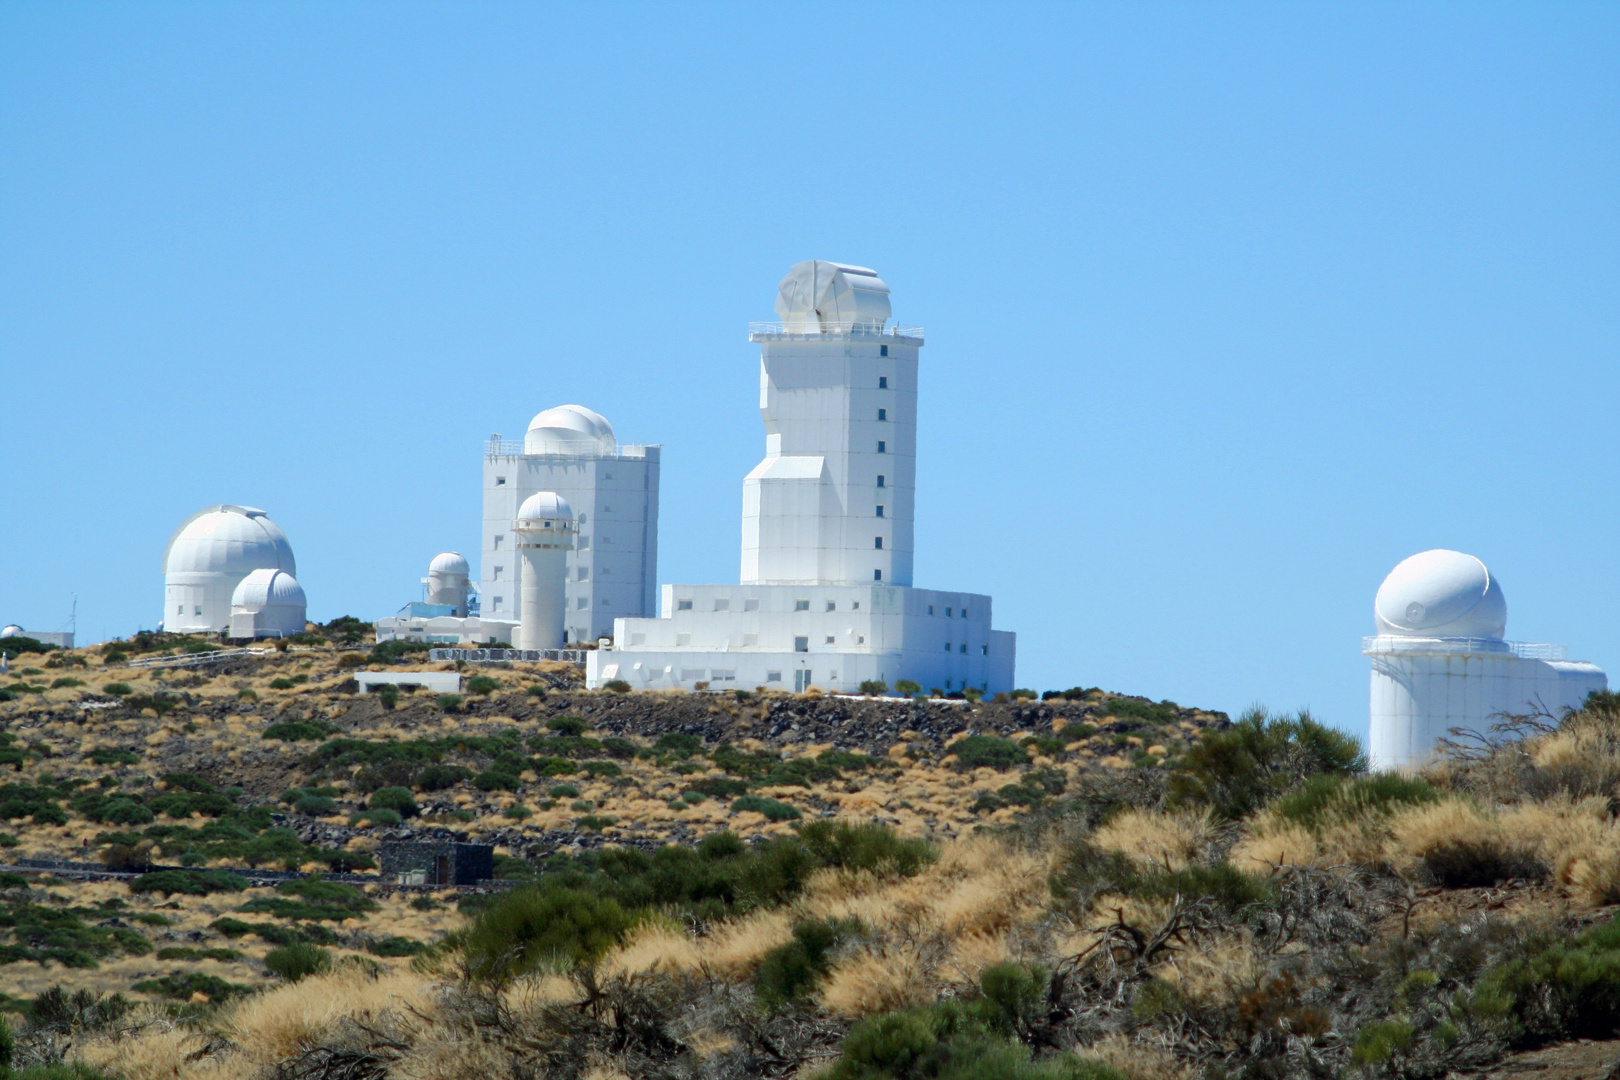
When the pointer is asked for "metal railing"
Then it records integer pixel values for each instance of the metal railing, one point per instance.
(1387, 644)
(506, 656)
(195, 659)
(800, 330)
(495, 446)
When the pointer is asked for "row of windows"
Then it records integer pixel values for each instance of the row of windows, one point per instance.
(580, 542)
(948, 611)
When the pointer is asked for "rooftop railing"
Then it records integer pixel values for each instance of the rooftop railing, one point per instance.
(801, 332)
(1386, 644)
(507, 656)
(495, 446)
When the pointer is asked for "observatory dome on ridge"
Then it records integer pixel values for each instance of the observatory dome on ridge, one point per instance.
(1441, 594)
(209, 555)
(449, 562)
(267, 603)
(570, 429)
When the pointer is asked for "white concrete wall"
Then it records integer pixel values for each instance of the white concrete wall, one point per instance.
(849, 634)
(840, 413)
(613, 569)
(1418, 697)
(448, 630)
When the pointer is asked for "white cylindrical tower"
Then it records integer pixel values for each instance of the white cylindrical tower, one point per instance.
(447, 581)
(543, 534)
(208, 556)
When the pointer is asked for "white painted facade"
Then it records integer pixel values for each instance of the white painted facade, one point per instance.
(825, 598)
(267, 604)
(613, 489)
(445, 629)
(438, 682)
(1440, 661)
(207, 558)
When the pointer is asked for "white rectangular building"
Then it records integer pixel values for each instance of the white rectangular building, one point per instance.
(825, 598)
(613, 569)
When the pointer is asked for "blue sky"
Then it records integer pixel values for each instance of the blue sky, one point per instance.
(1229, 307)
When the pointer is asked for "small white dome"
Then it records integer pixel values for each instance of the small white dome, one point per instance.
(449, 562)
(268, 588)
(228, 539)
(12, 630)
(570, 429)
(543, 507)
(1441, 593)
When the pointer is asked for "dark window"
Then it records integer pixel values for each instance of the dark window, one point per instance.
(880, 479)
(877, 541)
(801, 644)
(883, 414)
(877, 575)
(883, 447)
(883, 382)
(880, 510)
(883, 350)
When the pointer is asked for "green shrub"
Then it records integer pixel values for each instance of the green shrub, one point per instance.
(315, 805)
(1236, 770)
(439, 777)
(988, 752)
(380, 816)
(312, 899)
(527, 928)
(490, 780)
(105, 756)
(1330, 796)
(601, 768)
(867, 846)
(388, 695)
(617, 686)
(517, 812)
(282, 684)
(449, 702)
(771, 808)
(180, 781)
(126, 812)
(188, 882)
(183, 987)
(620, 748)
(789, 972)
(65, 683)
(536, 690)
(567, 725)
(907, 688)
(398, 799)
(247, 694)
(564, 791)
(390, 652)
(299, 730)
(396, 946)
(593, 822)
(16, 646)
(294, 962)
(232, 928)
(874, 687)
(482, 684)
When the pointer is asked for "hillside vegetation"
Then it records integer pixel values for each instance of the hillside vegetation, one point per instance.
(716, 886)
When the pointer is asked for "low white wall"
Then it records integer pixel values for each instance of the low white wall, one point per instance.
(440, 682)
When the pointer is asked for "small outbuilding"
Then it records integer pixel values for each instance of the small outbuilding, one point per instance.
(434, 862)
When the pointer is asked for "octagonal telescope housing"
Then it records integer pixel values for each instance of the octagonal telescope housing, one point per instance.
(1441, 662)
(818, 296)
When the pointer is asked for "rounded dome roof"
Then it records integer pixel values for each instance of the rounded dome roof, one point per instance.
(570, 429)
(449, 562)
(817, 295)
(228, 539)
(268, 588)
(11, 631)
(546, 506)
(1441, 593)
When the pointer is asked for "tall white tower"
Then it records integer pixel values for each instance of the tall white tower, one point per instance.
(543, 534)
(613, 488)
(1439, 660)
(833, 500)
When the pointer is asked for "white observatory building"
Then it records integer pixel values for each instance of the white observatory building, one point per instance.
(267, 604)
(448, 583)
(542, 536)
(1439, 660)
(826, 596)
(447, 613)
(613, 490)
(208, 556)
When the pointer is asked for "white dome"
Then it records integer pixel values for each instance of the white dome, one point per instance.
(817, 296)
(11, 631)
(268, 588)
(449, 562)
(570, 429)
(1441, 593)
(228, 539)
(543, 507)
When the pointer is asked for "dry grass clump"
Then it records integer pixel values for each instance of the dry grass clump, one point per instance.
(1153, 838)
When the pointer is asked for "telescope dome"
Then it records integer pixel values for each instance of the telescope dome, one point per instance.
(449, 562)
(544, 507)
(570, 429)
(228, 540)
(818, 296)
(1441, 594)
(12, 630)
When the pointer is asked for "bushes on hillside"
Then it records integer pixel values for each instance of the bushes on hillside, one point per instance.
(530, 927)
(1237, 770)
(988, 752)
(298, 961)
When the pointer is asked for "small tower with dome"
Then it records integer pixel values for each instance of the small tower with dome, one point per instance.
(1441, 660)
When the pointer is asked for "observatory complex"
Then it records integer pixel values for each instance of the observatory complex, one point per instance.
(825, 596)
(1439, 660)
(229, 569)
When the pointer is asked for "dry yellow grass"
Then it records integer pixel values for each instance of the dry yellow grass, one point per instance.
(1155, 838)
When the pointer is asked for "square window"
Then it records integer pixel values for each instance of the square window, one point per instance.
(860, 639)
(964, 613)
(500, 481)
(722, 604)
(880, 479)
(604, 601)
(883, 447)
(497, 544)
(801, 644)
(497, 573)
(883, 350)
(584, 573)
(883, 414)
(801, 605)
(883, 380)
(877, 575)
(497, 606)
(751, 603)
(831, 606)
(985, 649)
(607, 476)
(579, 605)
(856, 606)
(831, 640)
(964, 648)
(947, 646)
(877, 542)
(947, 613)
(181, 610)
(773, 676)
(930, 609)
(197, 610)
(683, 605)
(880, 509)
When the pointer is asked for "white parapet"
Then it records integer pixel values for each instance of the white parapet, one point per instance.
(440, 682)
